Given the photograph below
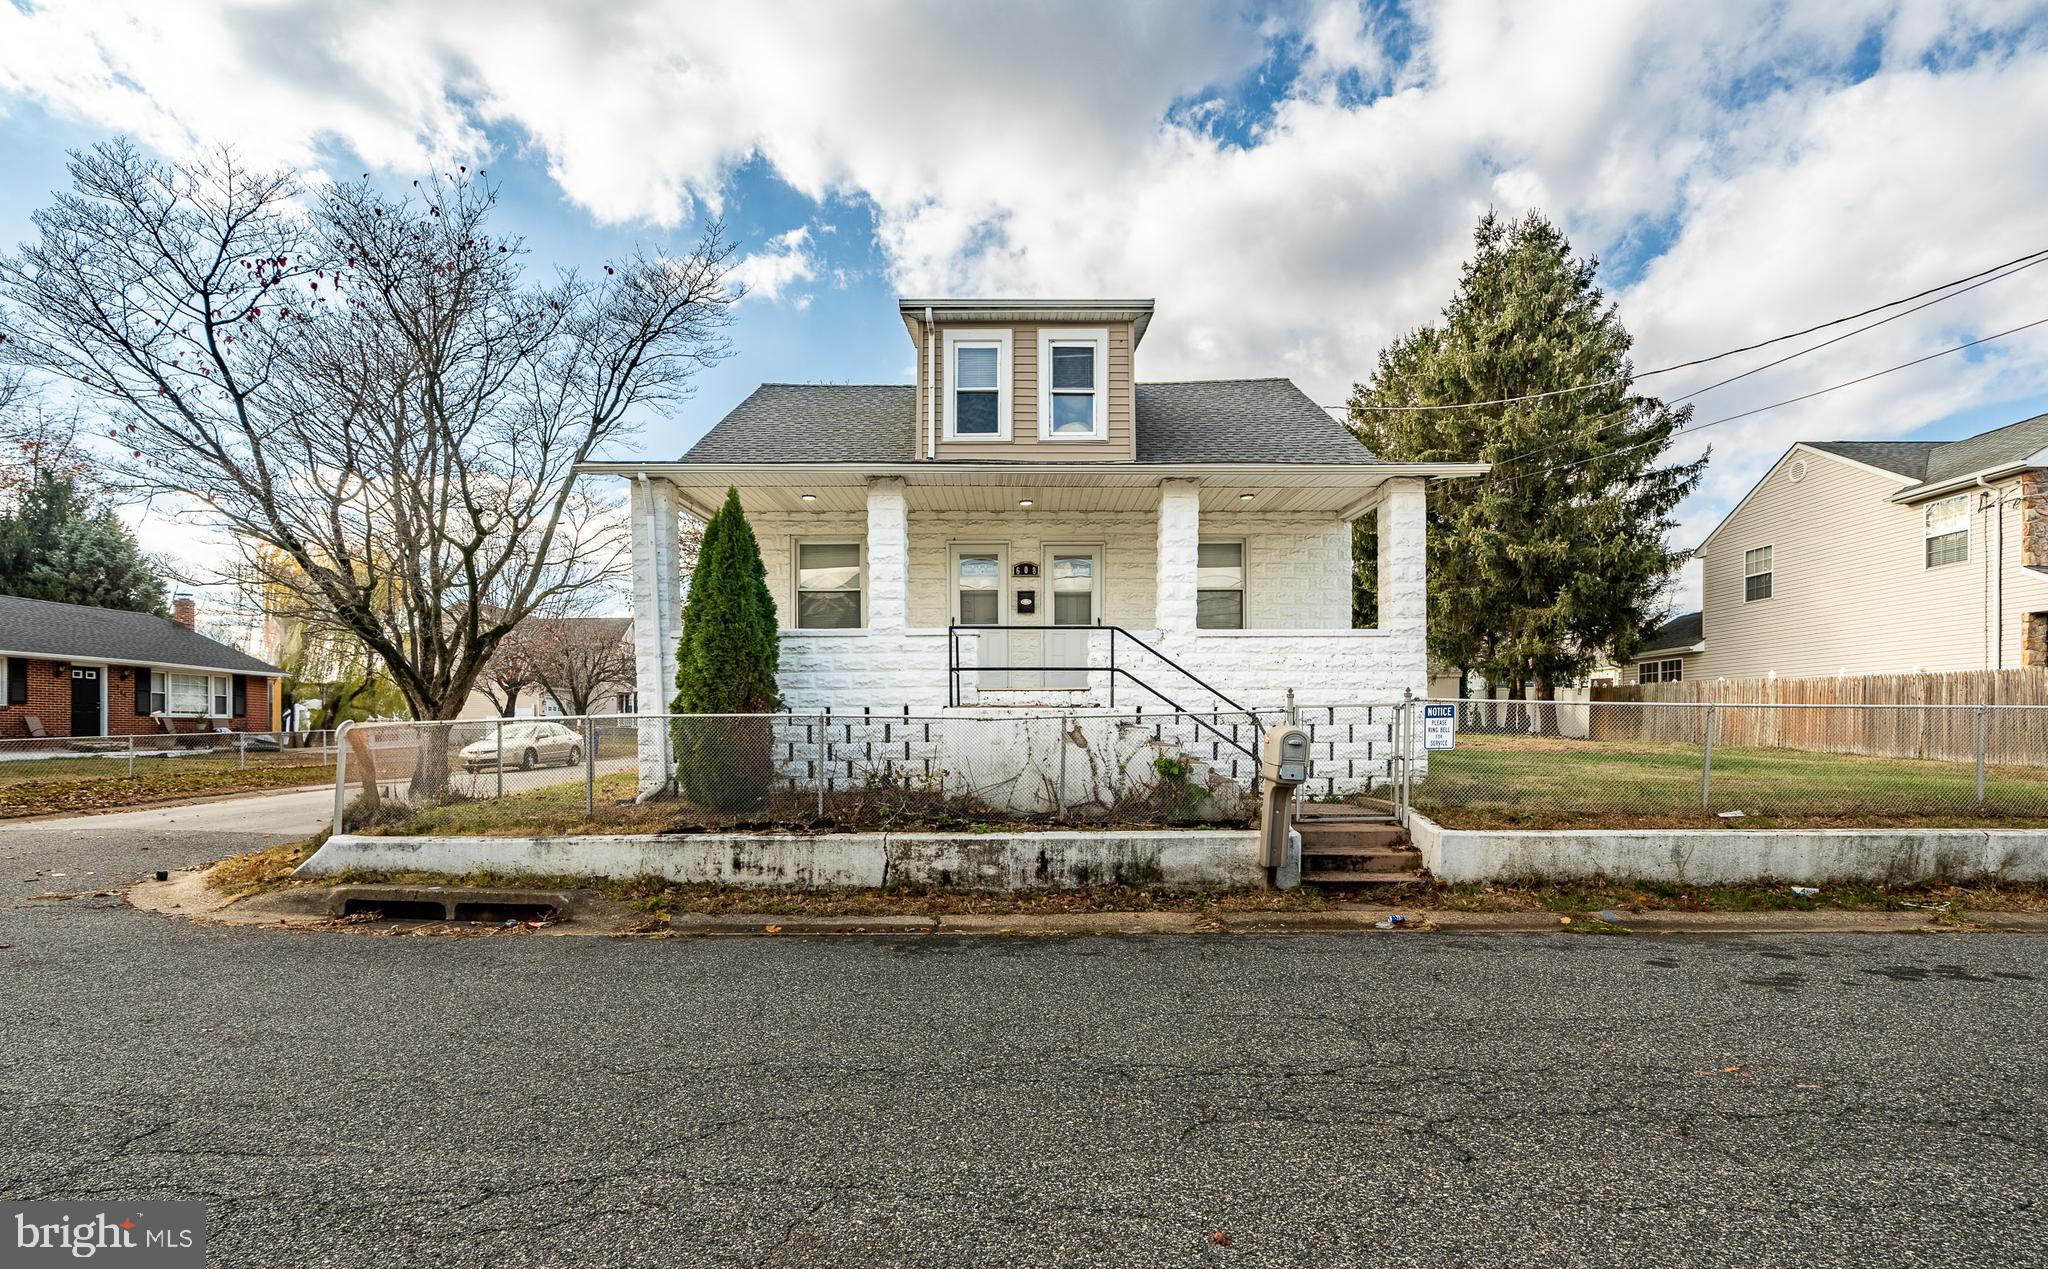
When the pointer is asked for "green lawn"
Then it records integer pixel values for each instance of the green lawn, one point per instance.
(1523, 780)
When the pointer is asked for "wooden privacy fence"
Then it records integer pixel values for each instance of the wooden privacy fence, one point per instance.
(1876, 715)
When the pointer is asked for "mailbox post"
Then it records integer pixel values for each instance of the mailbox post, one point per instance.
(1283, 766)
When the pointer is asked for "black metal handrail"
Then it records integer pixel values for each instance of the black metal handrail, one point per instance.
(954, 670)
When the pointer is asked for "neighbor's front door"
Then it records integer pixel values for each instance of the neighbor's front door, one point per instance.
(85, 700)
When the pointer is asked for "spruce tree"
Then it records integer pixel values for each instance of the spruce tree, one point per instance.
(57, 545)
(725, 664)
(1557, 559)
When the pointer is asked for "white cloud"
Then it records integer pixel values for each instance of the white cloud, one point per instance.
(1083, 148)
(789, 260)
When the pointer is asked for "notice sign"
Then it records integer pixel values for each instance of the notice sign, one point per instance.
(1439, 726)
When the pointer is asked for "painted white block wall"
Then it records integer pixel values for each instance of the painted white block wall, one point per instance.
(1298, 601)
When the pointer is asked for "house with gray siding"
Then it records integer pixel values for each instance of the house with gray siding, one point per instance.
(1883, 557)
(1030, 525)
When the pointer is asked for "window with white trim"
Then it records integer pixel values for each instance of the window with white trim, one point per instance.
(828, 585)
(1219, 586)
(1756, 574)
(200, 695)
(1073, 384)
(1947, 527)
(1671, 670)
(977, 383)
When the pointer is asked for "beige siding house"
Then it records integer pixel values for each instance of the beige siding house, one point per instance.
(1883, 557)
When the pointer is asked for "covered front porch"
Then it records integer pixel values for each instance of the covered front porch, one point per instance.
(931, 588)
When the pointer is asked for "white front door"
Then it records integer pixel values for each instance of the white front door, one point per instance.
(1073, 583)
(978, 591)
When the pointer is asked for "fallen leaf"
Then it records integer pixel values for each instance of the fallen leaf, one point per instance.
(1220, 1238)
(772, 929)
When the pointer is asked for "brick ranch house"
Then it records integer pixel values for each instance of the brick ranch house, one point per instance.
(1027, 515)
(83, 671)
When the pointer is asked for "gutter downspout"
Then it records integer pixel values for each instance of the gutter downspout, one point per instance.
(1997, 588)
(931, 388)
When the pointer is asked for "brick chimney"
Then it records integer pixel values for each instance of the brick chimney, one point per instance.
(185, 612)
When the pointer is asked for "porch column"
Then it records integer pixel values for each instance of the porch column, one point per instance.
(1404, 573)
(1180, 532)
(888, 554)
(657, 618)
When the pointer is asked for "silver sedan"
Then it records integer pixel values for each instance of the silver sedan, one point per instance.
(526, 745)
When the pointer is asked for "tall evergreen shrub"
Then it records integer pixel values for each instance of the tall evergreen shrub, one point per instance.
(725, 665)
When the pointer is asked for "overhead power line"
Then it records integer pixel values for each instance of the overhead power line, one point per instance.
(2032, 257)
(1804, 396)
(1621, 418)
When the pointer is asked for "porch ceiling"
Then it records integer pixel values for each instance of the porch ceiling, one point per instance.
(1275, 488)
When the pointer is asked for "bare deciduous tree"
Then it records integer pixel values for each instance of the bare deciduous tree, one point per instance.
(583, 658)
(367, 388)
(512, 669)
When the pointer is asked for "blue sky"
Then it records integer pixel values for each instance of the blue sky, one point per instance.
(1294, 184)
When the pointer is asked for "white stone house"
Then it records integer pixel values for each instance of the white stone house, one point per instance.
(1030, 527)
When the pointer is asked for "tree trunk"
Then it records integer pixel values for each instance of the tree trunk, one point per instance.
(366, 772)
(1546, 713)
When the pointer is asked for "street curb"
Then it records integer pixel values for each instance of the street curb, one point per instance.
(771, 923)
(1353, 921)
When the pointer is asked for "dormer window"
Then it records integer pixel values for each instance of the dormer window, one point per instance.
(1073, 385)
(977, 385)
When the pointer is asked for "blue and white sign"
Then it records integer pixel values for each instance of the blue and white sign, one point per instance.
(1439, 726)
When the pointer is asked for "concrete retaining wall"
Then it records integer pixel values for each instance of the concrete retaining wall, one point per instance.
(979, 861)
(1716, 856)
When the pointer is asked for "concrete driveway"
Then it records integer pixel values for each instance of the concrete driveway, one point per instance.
(1416, 1099)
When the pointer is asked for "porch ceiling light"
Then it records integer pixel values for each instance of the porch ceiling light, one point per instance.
(1023, 502)
(810, 497)
(1244, 497)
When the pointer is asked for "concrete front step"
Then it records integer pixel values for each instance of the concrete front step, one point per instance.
(1365, 809)
(1351, 877)
(1370, 860)
(1315, 836)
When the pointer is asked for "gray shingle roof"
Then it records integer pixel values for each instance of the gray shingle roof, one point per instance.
(1681, 631)
(1240, 421)
(1930, 463)
(2009, 444)
(815, 423)
(1907, 458)
(1208, 421)
(74, 632)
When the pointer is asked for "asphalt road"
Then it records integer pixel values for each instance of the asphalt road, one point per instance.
(1413, 1099)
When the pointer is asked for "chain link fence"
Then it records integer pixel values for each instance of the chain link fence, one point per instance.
(1510, 763)
(1523, 761)
(50, 758)
(849, 769)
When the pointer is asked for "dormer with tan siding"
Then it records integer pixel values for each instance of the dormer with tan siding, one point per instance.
(1026, 380)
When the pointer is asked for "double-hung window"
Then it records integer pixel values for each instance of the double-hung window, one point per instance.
(977, 385)
(175, 692)
(1668, 671)
(1948, 530)
(1073, 384)
(828, 585)
(1219, 586)
(1756, 574)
